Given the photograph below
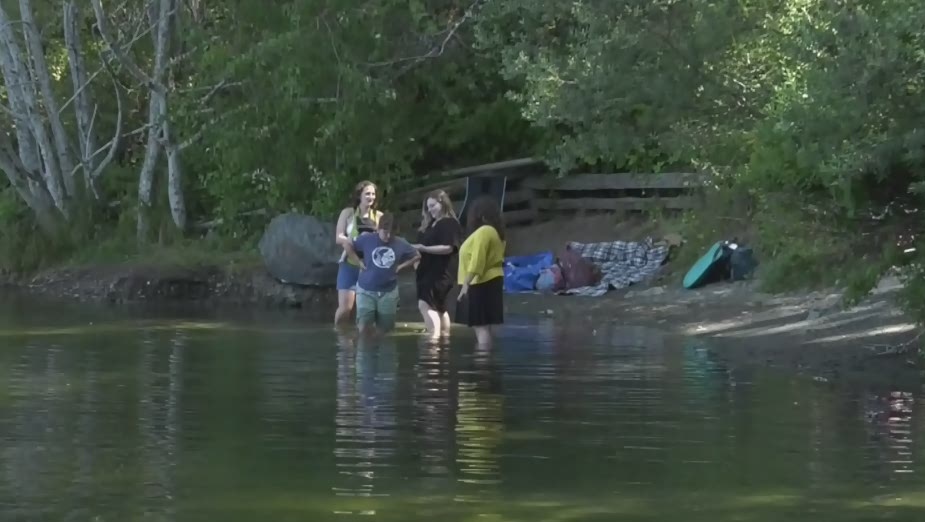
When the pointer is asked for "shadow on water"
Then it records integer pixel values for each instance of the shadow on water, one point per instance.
(183, 416)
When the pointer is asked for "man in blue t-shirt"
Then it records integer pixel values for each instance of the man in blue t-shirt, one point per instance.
(383, 256)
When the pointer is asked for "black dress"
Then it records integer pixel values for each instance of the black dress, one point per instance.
(436, 274)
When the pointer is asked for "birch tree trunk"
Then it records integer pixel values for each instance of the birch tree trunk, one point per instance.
(148, 169)
(42, 77)
(163, 13)
(20, 81)
(43, 164)
(157, 118)
(175, 195)
(41, 155)
(82, 93)
(168, 18)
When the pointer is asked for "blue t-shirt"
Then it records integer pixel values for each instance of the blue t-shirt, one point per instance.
(380, 259)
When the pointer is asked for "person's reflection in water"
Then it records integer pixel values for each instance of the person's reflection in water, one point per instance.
(434, 412)
(479, 428)
(365, 419)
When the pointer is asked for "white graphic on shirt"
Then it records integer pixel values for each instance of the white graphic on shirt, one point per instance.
(383, 257)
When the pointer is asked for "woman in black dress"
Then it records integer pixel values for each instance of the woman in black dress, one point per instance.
(440, 235)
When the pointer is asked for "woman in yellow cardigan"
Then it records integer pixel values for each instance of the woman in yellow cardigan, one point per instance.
(481, 270)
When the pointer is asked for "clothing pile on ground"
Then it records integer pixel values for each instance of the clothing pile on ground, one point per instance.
(586, 269)
(591, 269)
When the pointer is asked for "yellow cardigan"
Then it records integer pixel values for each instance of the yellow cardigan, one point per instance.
(482, 254)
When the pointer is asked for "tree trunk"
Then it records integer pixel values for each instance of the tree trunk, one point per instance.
(175, 182)
(82, 111)
(162, 14)
(14, 91)
(148, 169)
(43, 164)
(40, 72)
(157, 114)
(19, 81)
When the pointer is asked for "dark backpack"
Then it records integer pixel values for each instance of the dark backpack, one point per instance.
(742, 262)
(736, 263)
(578, 271)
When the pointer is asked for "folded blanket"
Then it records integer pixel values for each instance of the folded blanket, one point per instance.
(623, 263)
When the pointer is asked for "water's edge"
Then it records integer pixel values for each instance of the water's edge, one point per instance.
(803, 328)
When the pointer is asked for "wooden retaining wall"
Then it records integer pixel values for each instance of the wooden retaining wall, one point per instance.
(533, 194)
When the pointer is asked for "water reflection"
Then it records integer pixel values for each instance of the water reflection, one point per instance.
(181, 425)
(434, 402)
(365, 423)
(479, 428)
(890, 427)
(160, 379)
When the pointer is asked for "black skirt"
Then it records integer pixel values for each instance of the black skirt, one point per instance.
(434, 293)
(483, 305)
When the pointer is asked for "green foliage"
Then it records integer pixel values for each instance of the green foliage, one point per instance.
(623, 81)
(336, 92)
(23, 249)
(291, 103)
(21, 246)
(808, 112)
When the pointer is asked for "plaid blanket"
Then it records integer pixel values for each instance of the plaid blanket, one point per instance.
(622, 263)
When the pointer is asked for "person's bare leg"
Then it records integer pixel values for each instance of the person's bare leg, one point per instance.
(423, 308)
(345, 302)
(483, 335)
(431, 318)
(445, 324)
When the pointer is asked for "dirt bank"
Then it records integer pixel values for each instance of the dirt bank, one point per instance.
(140, 283)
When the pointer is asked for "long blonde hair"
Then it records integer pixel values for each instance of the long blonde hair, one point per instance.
(445, 203)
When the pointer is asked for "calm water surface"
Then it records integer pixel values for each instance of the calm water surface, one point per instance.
(107, 415)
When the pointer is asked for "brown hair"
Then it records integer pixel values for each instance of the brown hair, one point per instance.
(444, 199)
(485, 211)
(358, 194)
(386, 222)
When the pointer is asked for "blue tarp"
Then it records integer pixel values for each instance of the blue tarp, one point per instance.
(521, 272)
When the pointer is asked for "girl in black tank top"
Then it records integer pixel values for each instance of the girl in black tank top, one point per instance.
(363, 224)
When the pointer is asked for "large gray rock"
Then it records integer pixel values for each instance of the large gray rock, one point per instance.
(299, 249)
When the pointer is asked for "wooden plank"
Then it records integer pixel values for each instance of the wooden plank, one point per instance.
(511, 174)
(411, 190)
(623, 181)
(518, 196)
(408, 222)
(455, 188)
(494, 168)
(617, 204)
(427, 184)
(520, 217)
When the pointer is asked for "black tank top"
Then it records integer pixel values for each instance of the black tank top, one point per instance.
(363, 224)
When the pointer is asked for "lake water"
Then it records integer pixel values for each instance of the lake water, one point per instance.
(130, 415)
